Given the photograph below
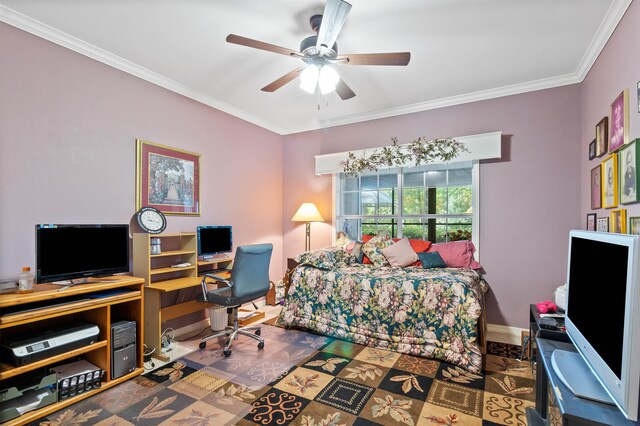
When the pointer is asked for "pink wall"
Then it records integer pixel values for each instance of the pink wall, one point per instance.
(617, 68)
(68, 126)
(529, 199)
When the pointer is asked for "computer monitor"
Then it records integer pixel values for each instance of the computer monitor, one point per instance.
(214, 240)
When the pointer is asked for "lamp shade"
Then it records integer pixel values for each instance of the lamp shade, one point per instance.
(308, 212)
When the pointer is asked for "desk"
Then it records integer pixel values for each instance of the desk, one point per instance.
(155, 314)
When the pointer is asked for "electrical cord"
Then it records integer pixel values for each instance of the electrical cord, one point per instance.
(167, 339)
(146, 354)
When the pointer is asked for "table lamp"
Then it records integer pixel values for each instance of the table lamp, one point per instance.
(308, 212)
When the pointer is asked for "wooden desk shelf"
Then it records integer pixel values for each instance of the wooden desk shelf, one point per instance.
(101, 310)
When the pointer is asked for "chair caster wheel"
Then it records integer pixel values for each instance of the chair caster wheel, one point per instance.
(261, 345)
(202, 345)
(257, 333)
(226, 353)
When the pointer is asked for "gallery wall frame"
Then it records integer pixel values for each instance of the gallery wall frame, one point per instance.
(619, 135)
(596, 187)
(629, 166)
(167, 179)
(610, 182)
(602, 137)
(591, 221)
(634, 225)
(602, 224)
(618, 221)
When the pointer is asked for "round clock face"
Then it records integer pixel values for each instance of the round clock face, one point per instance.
(151, 220)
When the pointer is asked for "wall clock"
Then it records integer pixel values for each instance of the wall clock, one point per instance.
(151, 220)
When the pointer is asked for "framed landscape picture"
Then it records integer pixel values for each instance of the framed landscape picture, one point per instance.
(610, 182)
(591, 222)
(602, 137)
(634, 225)
(603, 224)
(628, 158)
(167, 179)
(618, 221)
(596, 188)
(619, 121)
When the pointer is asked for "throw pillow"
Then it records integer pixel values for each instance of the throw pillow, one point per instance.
(342, 240)
(431, 260)
(321, 258)
(357, 251)
(365, 259)
(373, 249)
(457, 254)
(400, 254)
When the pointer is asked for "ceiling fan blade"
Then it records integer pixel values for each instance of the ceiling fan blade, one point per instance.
(249, 42)
(333, 18)
(272, 87)
(344, 91)
(399, 58)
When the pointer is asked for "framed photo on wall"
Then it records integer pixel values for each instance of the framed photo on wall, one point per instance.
(610, 182)
(634, 225)
(602, 137)
(618, 220)
(603, 224)
(592, 150)
(591, 221)
(619, 121)
(167, 179)
(596, 188)
(628, 158)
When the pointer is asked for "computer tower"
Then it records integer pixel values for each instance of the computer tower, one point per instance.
(123, 348)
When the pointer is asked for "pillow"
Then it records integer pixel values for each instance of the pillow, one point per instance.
(342, 240)
(457, 254)
(418, 246)
(431, 260)
(400, 253)
(365, 259)
(372, 249)
(357, 251)
(321, 258)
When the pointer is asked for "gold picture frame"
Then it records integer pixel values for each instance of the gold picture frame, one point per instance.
(618, 221)
(167, 179)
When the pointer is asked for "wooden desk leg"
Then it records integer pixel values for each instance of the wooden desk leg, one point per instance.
(153, 322)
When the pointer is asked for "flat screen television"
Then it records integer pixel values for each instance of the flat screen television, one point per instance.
(214, 240)
(603, 320)
(67, 252)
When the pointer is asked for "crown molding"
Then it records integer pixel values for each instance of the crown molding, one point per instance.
(30, 25)
(607, 27)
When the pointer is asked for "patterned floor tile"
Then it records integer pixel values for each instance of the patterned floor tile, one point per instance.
(456, 397)
(378, 356)
(320, 414)
(199, 384)
(508, 365)
(406, 384)
(365, 373)
(454, 374)
(85, 412)
(171, 373)
(126, 394)
(387, 408)
(304, 382)
(114, 421)
(157, 408)
(234, 398)
(504, 349)
(435, 415)
(514, 386)
(275, 407)
(345, 395)
(327, 362)
(343, 348)
(505, 410)
(200, 413)
(416, 365)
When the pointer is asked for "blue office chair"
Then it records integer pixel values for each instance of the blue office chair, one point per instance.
(249, 281)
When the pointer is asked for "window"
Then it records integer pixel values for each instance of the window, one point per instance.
(433, 202)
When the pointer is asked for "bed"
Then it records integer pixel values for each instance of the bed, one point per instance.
(435, 313)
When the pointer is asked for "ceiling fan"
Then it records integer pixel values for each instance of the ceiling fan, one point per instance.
(320, 51)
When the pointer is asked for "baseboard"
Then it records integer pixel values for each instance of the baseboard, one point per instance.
(193, 328)
(503, 333)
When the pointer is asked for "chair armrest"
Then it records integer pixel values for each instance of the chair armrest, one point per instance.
(217, 278)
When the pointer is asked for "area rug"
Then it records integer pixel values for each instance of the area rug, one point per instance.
(305, 379)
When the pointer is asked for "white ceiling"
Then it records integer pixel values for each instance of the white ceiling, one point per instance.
(461, 50)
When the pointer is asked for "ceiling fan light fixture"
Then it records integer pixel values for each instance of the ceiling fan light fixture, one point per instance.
(309, 79)
(328, 79)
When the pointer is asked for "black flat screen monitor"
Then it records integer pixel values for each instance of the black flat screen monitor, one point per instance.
(214, 240)
(66, 252)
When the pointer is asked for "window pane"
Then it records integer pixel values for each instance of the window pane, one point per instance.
(369, 203)
(441, 200)
(413, 179)
(459, 200)
(388, 181)
(350, 183)
(373, 226)
(352, 228)
(436, 178)
(460, 177)
(414, 228)
(413, 201)
(388, 202)
(350, 203)
(369, 182)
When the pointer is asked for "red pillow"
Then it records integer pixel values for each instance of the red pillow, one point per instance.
(457, 254)
(365, 259)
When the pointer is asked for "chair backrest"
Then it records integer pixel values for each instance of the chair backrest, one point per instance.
(250, 272)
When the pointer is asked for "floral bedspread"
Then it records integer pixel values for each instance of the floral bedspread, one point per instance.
(426, 312)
